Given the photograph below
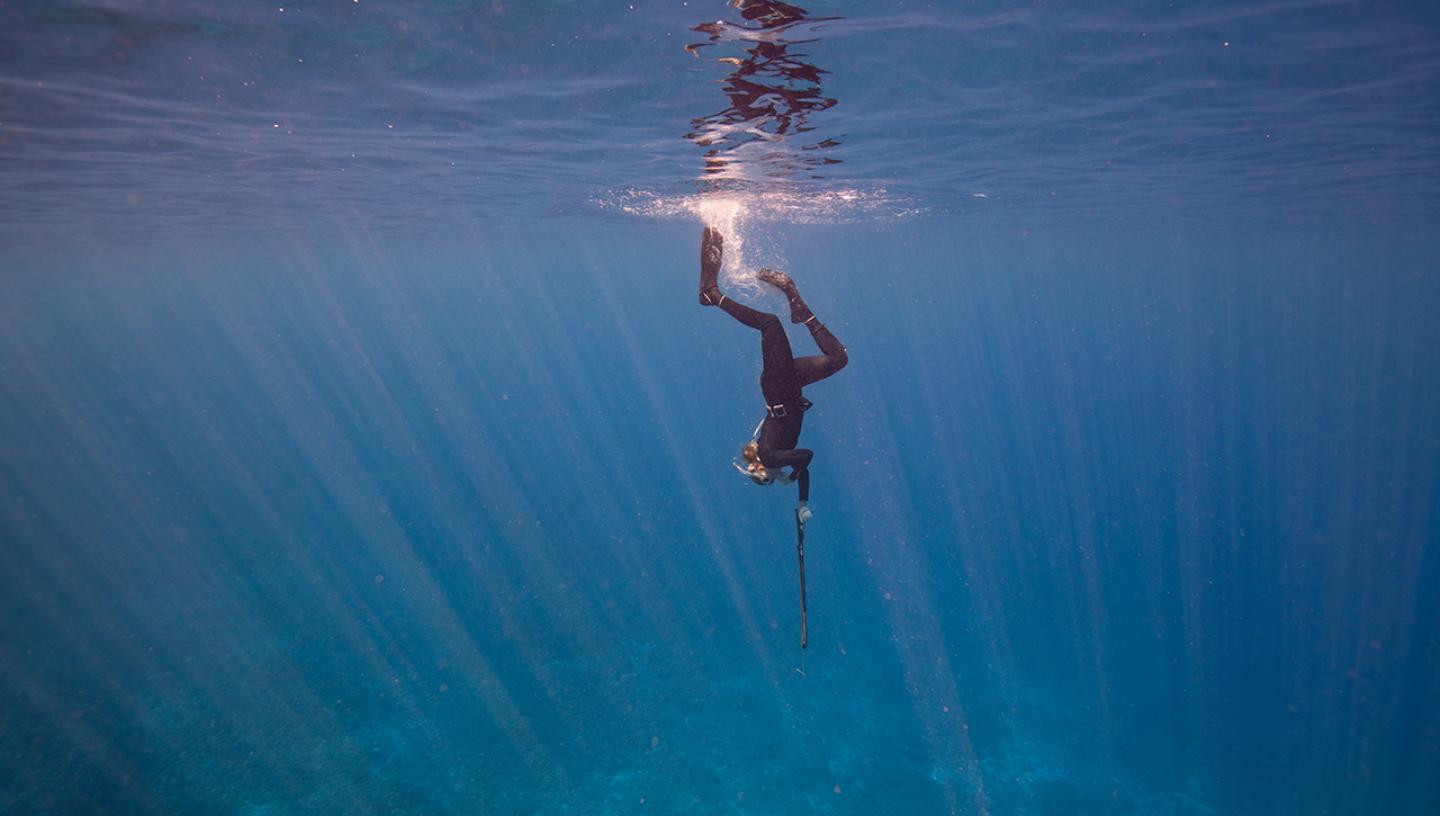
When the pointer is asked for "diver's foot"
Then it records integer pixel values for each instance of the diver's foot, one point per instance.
(777, 279)
(712, 250)
(799, 312)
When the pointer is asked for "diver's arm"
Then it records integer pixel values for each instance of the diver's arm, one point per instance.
(798, 460)
(802, 475)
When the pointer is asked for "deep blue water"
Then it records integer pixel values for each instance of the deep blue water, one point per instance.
(363, 448)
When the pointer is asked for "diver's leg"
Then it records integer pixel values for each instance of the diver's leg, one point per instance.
(754, 318)
(778, 375)
(799, 312)
(774, 345)
(777, 372)
(832, 356)
(712, 247)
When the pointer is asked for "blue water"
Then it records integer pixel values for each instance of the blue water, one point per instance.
(363, 448)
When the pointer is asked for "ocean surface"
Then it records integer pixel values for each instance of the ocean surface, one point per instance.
(364, 449)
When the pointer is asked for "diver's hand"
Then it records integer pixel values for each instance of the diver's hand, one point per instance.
(802, 513)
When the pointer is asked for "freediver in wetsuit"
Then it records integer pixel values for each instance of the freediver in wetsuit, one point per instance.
(782, 375)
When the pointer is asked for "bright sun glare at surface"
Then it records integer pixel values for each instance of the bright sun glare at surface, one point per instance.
(738, 214)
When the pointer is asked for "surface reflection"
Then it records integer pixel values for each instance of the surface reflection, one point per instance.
(773, 90)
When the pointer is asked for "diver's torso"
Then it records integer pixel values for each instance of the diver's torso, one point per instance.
(782, 433)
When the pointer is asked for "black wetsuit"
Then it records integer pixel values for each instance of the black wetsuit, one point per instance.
(781, 378)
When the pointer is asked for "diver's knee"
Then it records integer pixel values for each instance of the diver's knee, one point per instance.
(841, 358)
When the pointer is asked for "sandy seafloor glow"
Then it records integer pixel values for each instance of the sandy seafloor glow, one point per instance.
(363, 448)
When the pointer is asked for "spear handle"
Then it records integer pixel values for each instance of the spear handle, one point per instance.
(800, 555)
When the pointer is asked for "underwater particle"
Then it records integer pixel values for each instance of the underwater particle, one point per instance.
(837, 790)
(379, 579)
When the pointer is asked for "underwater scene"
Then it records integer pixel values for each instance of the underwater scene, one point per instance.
(531, 407)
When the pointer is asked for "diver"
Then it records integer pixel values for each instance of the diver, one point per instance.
(773, 447)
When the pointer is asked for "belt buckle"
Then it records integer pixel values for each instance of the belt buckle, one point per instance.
(777, 411)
